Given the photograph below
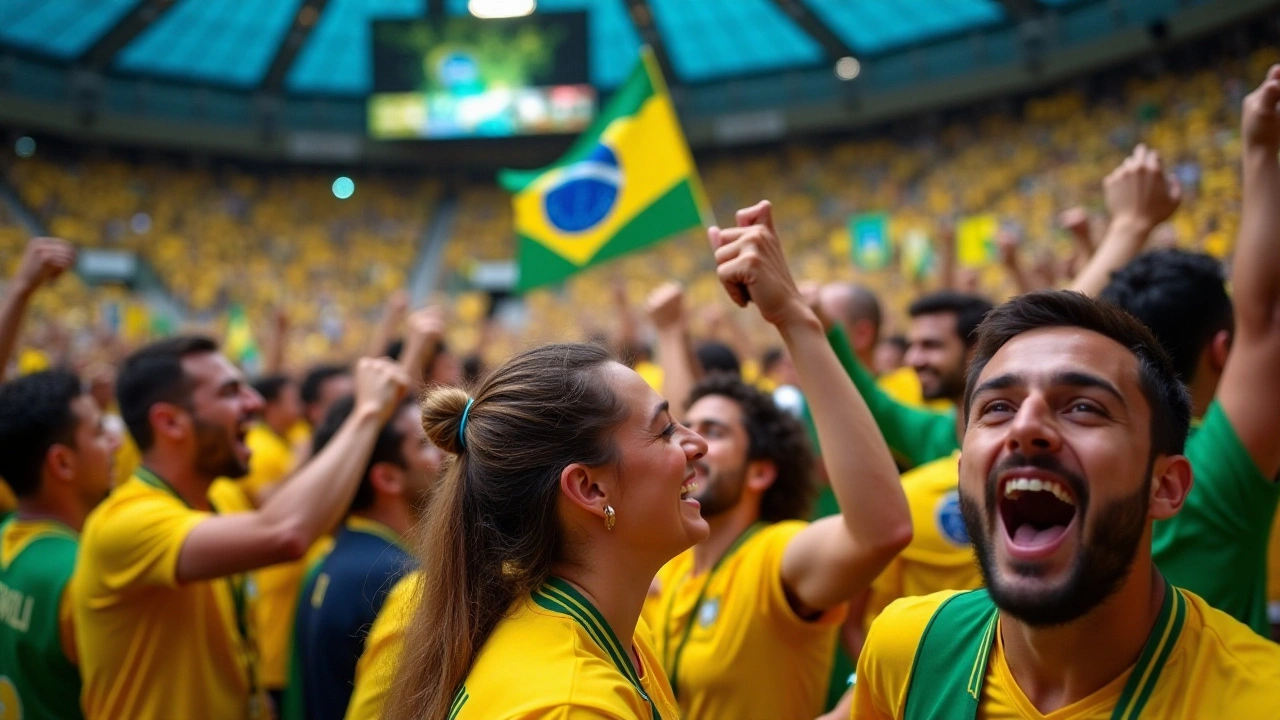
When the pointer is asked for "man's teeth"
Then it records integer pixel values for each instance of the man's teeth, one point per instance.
(1019, 485)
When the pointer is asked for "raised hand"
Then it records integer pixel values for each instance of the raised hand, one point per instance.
(1140, 192)
(380, 386)
(665, 306)
(1259, 117)
(752, 267)
(45, 259)
(427, 323)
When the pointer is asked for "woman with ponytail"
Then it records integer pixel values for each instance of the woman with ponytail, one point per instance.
(567, 491)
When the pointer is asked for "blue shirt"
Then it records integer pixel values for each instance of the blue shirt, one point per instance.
(337, 605)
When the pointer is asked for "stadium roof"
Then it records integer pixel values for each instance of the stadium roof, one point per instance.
(322, 46)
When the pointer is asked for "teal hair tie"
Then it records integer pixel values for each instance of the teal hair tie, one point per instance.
(462, 426)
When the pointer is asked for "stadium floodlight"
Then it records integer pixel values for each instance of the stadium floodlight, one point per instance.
(501, 8)
(847, 68)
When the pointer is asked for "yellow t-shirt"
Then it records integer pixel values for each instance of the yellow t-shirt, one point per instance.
(151, 647)
(272, 461)
(127, 459)
(1218, 668)
(903, 385)
(939, 556)
(553, 657)
(743, 628)
(275, 591)
(377, 667)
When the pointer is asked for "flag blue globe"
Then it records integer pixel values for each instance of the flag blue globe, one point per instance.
(585, 192)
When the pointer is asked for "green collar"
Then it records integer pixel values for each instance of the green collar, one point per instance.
(560, 597)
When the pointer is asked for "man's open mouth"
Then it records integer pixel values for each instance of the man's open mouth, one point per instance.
(1036, 508)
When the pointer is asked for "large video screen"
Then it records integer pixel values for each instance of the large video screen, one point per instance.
(465, 77)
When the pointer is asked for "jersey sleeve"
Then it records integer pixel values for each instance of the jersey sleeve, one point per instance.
(914, 435)
(139, 544)
(1229, 490)
(1216, 545)
(376, 669)
(767, 555)
(884, 667)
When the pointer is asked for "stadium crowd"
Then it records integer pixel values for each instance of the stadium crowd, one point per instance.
(1051, 496)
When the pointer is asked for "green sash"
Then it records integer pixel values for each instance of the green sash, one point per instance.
(951, 659)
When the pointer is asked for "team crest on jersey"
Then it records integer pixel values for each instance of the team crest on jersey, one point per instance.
(708, 612)
(950, 521)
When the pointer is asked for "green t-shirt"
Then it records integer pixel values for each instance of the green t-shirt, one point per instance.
(1216, 546)
(914, 435)
(33, 663)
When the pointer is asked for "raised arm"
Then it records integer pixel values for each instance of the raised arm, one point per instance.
(680, 368)
(1249, 391)
(277, 341)
(1011, 258)
(44, 260)
(1140, 196)
(392, 315)
(426, 328)
(312, 502)
(833, 559)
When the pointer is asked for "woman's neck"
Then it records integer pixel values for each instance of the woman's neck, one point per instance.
(617, 590)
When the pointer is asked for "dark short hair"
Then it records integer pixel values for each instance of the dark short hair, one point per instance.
(773, 435)
(315, 378)
(968, 308)
(386, 449)
(1168, 398)
(271, 386)
(716, 357)
(153, 375)
(35, 414)
(1181, 296)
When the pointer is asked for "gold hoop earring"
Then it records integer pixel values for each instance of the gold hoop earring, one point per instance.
(610, 517)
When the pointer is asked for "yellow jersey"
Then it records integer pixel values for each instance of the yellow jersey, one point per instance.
(903, 385)
(151, 647)
(722, 634)
(939, 556)
(275, 591)
(126, 460)
(270, 462)
(376, 669)
(1216, 667)
(554, 657)
(270, 459)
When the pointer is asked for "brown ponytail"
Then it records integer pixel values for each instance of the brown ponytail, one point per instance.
(490, 534)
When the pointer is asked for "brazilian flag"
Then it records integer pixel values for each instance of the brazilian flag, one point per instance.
(240, 344)
(626, 183)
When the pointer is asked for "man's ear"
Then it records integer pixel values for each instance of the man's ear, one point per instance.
(168, 420)
(761, 474)
(60, 462)
(387, 479)
(1219, 348)
(1171, 481)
